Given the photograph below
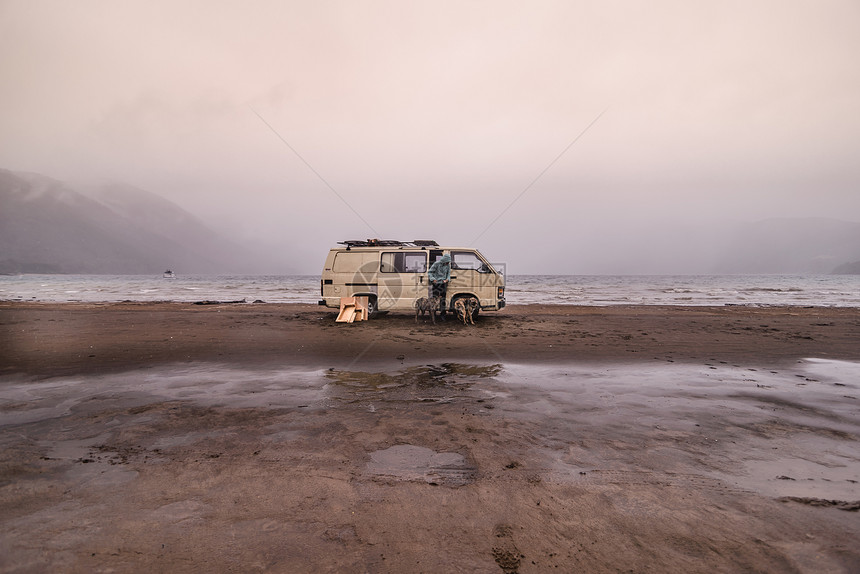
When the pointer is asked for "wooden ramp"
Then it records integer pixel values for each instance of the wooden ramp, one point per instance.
(352, 309)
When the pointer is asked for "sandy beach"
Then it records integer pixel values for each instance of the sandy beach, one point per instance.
(268, 438)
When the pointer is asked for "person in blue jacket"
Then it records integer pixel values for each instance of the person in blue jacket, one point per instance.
(439, 275)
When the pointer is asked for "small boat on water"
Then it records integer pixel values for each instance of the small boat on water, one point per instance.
(169, 274)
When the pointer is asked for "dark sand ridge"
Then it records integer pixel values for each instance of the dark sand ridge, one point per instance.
(52, 339)
(176, 437)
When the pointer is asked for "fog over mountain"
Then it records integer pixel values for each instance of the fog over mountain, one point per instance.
(803, 245)
(47, 226)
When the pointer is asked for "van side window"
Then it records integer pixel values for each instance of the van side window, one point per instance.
(355, 261)
(404, 262)
(468, 260)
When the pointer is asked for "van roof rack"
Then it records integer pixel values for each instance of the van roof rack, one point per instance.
(388, 243)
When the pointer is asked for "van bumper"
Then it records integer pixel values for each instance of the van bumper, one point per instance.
(496, 307)
(331, 302)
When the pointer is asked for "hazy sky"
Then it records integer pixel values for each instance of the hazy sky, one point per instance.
(429, 118)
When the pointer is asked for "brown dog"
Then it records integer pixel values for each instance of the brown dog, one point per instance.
(472, 305)
(465, 308)
(426, 305)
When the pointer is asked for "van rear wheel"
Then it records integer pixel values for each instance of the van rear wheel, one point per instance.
(372, 307)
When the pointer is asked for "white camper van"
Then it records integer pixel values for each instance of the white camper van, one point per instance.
(393, 274)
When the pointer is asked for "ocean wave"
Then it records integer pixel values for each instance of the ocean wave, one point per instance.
(775, 289)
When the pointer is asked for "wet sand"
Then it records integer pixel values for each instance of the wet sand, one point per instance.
(175, 437)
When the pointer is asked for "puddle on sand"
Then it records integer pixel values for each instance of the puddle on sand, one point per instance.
(427, 383)
(208, 385)
(416, 463)
(791, 432)
(827, 477)
(215, 385)
(787, 432)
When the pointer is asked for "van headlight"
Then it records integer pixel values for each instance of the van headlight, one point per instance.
(501, 292)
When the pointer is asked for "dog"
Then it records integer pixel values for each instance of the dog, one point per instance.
(473, 306)
(427, 305)
(465, 308)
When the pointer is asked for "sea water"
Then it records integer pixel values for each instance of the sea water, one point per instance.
(596, 290)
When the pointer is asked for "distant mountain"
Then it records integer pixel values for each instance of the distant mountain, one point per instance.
(46, 226)
(799, 245)
(852, 268)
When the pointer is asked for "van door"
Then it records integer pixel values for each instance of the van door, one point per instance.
(402, 279)
(471, 274)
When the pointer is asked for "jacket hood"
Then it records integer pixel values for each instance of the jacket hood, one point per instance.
(445, 259)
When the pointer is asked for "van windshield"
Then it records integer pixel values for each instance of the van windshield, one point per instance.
(468, 260)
